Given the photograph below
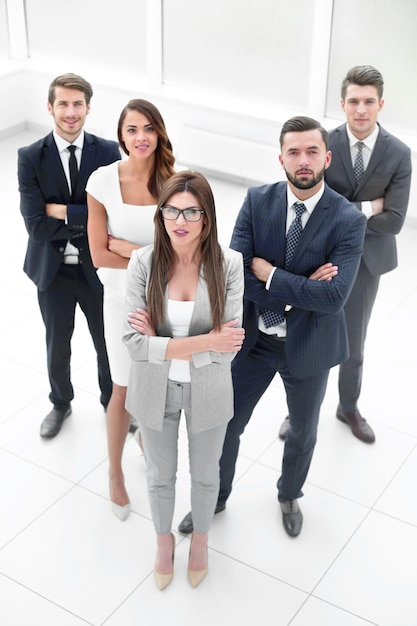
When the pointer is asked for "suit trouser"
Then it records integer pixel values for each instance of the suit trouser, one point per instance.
(358, 311)
(161, 451)
(57, 304)
(252, 375)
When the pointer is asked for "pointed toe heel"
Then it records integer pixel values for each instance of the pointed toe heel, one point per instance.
(163, 580)
(121, 512)
(196, 578)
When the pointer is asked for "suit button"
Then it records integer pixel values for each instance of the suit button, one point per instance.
(61, 249)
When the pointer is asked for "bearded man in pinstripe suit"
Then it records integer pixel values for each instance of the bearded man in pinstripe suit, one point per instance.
(307, 292)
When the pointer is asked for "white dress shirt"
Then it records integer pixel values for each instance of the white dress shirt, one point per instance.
(62, 145)
(369, 144)
(310, 204)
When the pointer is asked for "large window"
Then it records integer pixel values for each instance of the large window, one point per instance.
(382, 34)
(112, 35)
(256, 50)
(4, 32)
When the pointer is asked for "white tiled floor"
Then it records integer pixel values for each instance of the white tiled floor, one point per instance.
(65, 560)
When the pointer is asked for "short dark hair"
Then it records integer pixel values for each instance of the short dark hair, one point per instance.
(70, 81)
(363, 75)
(300, 124)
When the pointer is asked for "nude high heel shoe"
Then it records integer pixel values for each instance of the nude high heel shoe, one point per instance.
(163, 580)
(196, 576)
(122, 512)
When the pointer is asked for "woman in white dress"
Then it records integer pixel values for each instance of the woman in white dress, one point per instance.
(122, 198)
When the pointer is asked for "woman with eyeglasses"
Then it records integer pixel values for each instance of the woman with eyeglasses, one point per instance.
(182, 330)
(121, 204)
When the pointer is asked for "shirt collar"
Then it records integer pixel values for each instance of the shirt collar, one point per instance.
(62, 144)
(369, 141)
(310, 203)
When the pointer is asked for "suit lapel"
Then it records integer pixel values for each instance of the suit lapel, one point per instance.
(278, 225)
(311, 229)
(378, 153)
(54, 166)
(201, 307)
(342, 154)
(87, 163)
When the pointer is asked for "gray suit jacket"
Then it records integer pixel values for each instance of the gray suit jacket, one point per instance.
(211, 381)
(388, 175)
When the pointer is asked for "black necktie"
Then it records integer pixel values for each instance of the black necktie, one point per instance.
(358, 168)
(270, 318)
(73, 169)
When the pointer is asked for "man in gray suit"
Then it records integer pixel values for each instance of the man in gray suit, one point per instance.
(372, 169)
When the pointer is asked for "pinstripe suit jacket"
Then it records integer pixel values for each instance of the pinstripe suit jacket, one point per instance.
(387, 176)
(316, 328)
(211, 381)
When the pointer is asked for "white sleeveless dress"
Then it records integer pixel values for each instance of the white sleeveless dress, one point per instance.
(125, 221)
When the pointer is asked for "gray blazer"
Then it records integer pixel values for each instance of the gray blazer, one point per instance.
(211, 380)
(387, 176)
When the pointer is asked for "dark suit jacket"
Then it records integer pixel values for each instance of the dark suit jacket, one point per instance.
(316, 328)
(42, 180)
(388, 175)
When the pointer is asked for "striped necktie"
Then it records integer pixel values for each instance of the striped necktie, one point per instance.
(270, 318)
(358, 168)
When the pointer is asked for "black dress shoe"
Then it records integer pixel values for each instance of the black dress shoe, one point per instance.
(52, 423)
(133, 427)
(285, 427)
(186, 526)
(292, 518)
(358, 425)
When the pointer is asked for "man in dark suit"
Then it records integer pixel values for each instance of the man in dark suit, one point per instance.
(372, 169)
(52, 175)
(307, 292)
(381, 193)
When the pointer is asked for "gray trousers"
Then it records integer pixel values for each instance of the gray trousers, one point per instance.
(358, 309)
(161, 451)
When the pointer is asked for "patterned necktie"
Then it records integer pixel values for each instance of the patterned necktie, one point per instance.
(270, 318)
(73, 169)
(358, 168)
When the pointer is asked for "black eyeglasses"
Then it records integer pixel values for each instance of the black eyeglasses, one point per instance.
(190, 215)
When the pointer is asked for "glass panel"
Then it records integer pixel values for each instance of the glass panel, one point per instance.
(105, 33)
(384, 36)
(256, 50)
(4, 32)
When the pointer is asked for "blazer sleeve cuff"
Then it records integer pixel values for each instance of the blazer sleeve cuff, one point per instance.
(157, 349)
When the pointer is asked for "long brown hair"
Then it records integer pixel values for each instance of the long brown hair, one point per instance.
(164, 157)
(211, 257)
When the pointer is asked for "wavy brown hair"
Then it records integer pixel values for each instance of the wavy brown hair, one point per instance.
(164, 157)
(209, 253)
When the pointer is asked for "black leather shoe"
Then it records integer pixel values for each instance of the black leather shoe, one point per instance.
(133, 426)
(52, 423)
(292, 518)
(358, 425)
(186, 526)
(285, 427)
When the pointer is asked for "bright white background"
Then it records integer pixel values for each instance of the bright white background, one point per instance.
(226, 74)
